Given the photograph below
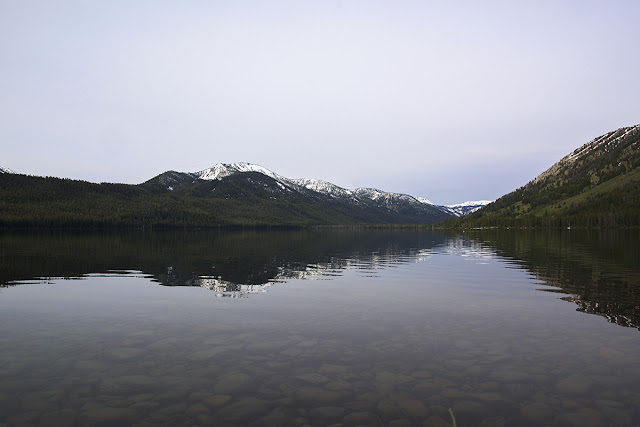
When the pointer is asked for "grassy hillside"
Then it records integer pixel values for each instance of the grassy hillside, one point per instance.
(598, 185)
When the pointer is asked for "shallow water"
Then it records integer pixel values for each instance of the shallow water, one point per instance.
(320, 328)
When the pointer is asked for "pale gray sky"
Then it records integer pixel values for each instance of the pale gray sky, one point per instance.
(448, 100)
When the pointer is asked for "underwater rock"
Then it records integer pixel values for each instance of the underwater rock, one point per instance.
(574, 385)
(217, 400)
(124, 353)
(231, 383)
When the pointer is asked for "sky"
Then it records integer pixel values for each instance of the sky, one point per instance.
(448, 100)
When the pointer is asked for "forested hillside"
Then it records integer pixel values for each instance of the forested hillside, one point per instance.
(598, 185)
(247, 199)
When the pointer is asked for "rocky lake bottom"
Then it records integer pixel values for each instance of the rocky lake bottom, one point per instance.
(415, 337)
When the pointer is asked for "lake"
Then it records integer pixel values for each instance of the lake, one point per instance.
(320, 328)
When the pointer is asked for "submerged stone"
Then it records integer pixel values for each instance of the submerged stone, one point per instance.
(197, 408)
(400, 423)
(436, 421)
(124, 353)
(333, 369)
(145, 406)
(126, 384)
(328, 412)
(231, 383)
(338, 385)
(24, 418)
(201, 355)
(421, 374)
(388, 407)
(536, 412)
(279, 417)
(313, 378)
(493, 422)
(387, 381)
(414, 408)
(360, 405)
(318, 395)
(362, 419)
(245, 408)
(59, 418)
(574, 385)
(578, 419)
(510, 375)
(101, 413)
(468, 407)
(217, 400)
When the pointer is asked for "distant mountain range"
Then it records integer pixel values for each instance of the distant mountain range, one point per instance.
(237, 194)
(184, 181)
(597, 185)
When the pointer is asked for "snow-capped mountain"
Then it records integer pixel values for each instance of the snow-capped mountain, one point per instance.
(225, 195)
(222, 170)
(5, 170)
(391, 201)
(462, 209)
(323, 187)
(246, 181)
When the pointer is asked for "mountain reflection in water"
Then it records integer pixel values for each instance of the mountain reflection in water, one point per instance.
(388, 328)
(223, 261)
(599, 271)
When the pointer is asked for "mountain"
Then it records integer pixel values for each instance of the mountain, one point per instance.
(360, 196)
(597, 185)
(246, 180)
(222, 170)
(172, 180)
(5, 170)
(462, 209)
(237, 194)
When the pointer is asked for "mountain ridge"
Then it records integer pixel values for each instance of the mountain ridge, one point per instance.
(358, 195)
(174, 180)
(243, 197)
(246, 180)
(596, 185)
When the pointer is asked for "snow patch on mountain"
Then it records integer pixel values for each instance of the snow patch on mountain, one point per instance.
(5, 170)
(385, 198)
(423, 200)
(323, 187)
(610, 139)
(370, 193)
(465, 208)
(359, 195)
(597, 146)
(471, 203)
(222, 170)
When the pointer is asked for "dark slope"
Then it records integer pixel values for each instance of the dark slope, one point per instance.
(244, 199)
(598, 185)
(260, 188)
(169, 181)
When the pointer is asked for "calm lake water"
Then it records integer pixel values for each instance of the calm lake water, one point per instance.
(320, 328)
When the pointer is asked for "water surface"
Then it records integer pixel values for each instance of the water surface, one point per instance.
(320, 328)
